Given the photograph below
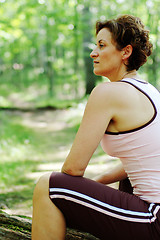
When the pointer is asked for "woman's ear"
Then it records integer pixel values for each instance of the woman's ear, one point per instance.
(126, 52)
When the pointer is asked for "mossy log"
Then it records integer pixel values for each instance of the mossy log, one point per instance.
(19, 227)
(14, 227)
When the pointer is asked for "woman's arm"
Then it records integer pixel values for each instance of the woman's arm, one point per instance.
(115, 175)
(98, 113)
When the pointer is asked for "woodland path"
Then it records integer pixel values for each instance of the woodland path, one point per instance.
(57, 129)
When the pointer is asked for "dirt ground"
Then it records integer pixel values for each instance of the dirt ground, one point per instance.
(57, 130)
(55, 124)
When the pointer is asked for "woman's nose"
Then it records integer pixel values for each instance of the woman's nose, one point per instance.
(94, 54)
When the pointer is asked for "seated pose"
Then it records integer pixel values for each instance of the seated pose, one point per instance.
(124, 116)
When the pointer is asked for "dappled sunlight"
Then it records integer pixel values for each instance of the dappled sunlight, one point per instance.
(100, 164)
(35, 143)
(43, 68)
(43, 169)
(99, 168)
(20, 210)
(50, 167)
(25, 99)
(10, 152)
(53, 121)
(17, 200)
(45, 122)
(60, 154)
(14, 188)
(36, 175)
(50, 157)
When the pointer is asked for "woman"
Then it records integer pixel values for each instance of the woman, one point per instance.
(124, 115)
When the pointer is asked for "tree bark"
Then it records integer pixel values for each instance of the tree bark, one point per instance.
(14, 227)
(18, 228)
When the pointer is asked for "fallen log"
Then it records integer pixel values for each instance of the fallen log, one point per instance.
(14, 227)
(19, 227)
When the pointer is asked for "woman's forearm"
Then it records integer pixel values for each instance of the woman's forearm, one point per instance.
(116, 174)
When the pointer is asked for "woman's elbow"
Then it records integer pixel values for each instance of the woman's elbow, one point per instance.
(72, 171)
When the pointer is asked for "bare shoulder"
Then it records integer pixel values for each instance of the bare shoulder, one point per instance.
(104, 90)
(113, 92)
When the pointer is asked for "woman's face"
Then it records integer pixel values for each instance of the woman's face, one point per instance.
(107, 59)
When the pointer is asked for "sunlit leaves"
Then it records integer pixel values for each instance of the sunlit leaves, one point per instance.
(46, 36)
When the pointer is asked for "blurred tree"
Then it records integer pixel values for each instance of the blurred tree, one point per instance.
(45, 44)
(153, 8)
(90, 78)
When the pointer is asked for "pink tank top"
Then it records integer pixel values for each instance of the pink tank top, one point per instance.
(139, 149)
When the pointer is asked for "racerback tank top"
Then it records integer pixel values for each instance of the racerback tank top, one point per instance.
(139, 149)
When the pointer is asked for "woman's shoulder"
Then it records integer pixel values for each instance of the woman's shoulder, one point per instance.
(103, 91)
(114, 94)
(112, 90)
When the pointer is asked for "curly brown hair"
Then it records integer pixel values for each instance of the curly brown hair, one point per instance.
(126, 30)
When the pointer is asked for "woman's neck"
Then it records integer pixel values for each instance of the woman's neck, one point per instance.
(131, 74)
(124, 74)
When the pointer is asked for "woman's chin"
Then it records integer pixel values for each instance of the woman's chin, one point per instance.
(98, 73)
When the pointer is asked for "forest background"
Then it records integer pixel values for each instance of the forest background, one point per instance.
(45, 65)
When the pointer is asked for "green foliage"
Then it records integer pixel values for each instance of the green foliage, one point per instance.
(27, 143)
(16, 142)
(42, 43)
(45, 47)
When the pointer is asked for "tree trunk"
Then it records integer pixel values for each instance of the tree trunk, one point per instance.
(18, 228)
(90, 78)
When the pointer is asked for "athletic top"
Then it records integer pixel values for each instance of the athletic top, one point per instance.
(139, 149)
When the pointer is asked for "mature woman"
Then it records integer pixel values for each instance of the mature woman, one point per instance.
(124, 115)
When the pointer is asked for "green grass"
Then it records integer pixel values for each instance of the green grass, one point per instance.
(16, 139)
(17, 146)
(36, 95)
(23, 149)
(31, 144)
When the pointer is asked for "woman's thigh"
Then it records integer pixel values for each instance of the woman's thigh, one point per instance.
(105, 212)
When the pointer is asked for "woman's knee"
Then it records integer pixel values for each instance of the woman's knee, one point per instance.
(42, 187)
